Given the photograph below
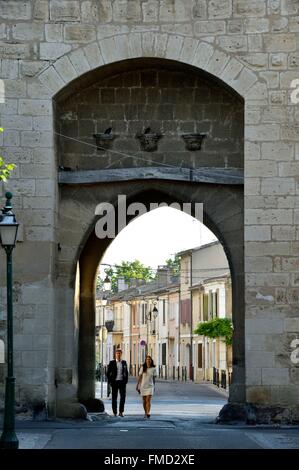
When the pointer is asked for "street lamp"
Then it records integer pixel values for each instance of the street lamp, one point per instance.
(103, 335)
(107, 283)
(151, 314)
(8, 236)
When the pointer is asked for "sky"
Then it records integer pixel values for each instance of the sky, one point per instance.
(156, 236)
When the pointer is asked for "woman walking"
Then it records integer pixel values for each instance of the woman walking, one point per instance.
(146, 384)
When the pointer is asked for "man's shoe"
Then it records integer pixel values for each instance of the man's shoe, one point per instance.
(121, 414)
(115, 414)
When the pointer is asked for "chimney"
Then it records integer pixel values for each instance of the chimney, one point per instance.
(163, 276)
(121, 285)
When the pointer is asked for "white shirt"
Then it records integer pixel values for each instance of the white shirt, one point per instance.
(119, 375)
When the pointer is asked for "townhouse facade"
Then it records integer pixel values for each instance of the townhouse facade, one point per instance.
(159, 318)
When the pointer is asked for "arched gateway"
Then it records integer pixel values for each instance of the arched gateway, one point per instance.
(176, 94)
(143, 74)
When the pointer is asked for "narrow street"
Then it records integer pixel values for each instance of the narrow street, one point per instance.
(182, 417)
(174, 399)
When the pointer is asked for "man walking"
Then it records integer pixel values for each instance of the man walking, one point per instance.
(117, 375)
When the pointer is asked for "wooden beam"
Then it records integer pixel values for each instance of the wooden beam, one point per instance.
(198, 175)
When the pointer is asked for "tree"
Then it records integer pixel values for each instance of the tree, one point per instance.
(5, 168)
(127, 270)
(174, 265)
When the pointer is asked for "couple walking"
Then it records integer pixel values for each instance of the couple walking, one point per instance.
(117, 375)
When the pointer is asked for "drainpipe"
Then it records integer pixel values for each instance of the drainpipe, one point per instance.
(191, 321)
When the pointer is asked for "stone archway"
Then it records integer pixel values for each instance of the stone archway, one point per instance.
(73, 71)
(158, 191)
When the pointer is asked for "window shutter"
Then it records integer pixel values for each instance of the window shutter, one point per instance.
(205, 307)
(199, 358)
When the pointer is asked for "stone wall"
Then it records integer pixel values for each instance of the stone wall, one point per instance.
(169, 103)
(252, 46)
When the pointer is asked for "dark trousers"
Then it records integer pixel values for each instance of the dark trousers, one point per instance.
(120, 386)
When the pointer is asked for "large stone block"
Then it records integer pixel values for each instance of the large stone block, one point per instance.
(15, 88)
(284, 232)
(150, 11)
(35, 107)
(275, 376)
(10, 69)
(260, 359)
(21, 187)
(261, 169)
(79, 61)
(90, 11)
(79, 33)
(263, 132)
(43, 123)
(53, 50)
(15, 10)
(126, 11)
(254, 8)
(277, 151)
(257, 233)
(17, 122)
(280, 42)
(64, 10)
(37, 139)
(257, 25)
(93, 55)
(219, 8)
(54, 32)
(262, 326)
(51, 80)
(258, 264)
(204, 28)
(28, 31)
(11, 138)
(65, 69)
(278, 186)
(41, 10)
(174, 10)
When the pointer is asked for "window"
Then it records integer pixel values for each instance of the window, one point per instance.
(163, 354)
(143, 305)
(207, 355)
(210, 304)
(214, 354)
(205, 307)
(164, 311)
(134, 314)
(199, 356)
(213, 303)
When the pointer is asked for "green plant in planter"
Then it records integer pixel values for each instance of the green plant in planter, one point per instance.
(217, 328)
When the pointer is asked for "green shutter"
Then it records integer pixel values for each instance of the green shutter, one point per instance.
(205, 307)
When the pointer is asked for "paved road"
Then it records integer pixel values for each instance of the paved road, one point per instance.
(173, 399)
(182, 417)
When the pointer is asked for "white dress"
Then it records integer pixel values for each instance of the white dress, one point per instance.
(147, 383)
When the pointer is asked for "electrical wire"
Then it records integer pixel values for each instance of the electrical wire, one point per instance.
(148, 160)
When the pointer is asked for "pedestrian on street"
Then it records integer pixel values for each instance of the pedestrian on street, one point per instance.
(146, 384)
(117, 375)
